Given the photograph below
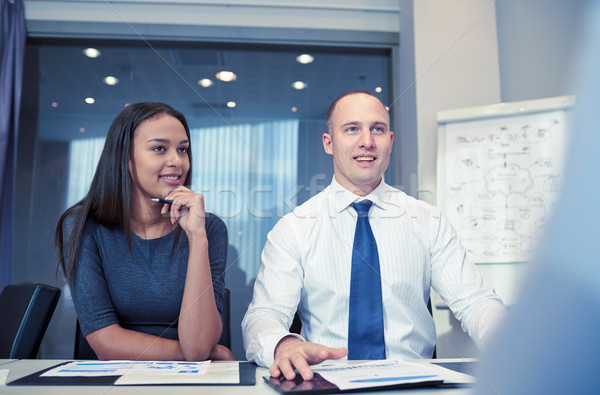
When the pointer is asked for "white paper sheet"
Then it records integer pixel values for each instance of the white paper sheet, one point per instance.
(3, 376)
(214, 373)
(450, 376)
(352, 374)
(119, 368)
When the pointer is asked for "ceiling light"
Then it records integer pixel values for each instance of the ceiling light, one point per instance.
(226, 76)
(54, 104)
(91, 52)
(299, 85)
(205, 82)
(378, 89)
(231, 104)
(305, 58)
(90, 100)
(110, 80)
(294, 109)
(387, 108)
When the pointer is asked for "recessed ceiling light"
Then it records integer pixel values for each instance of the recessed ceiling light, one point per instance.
(305, 58)
(54, 104)
(299, 85)
(90, 100)
(110, 80)
(378, 89)
(205, 82)
(294, 109)
(387, 108)
(91, 52)
(226, 76)
(231, 104)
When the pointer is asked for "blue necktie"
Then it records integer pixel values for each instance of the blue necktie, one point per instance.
(365, 326)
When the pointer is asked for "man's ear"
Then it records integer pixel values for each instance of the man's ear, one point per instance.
(327, 143)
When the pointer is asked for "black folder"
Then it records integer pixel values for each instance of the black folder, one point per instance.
(247, 377)
(318, 385)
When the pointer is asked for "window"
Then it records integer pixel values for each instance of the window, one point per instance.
(257, 150)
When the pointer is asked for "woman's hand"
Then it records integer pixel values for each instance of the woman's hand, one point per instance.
(221, 353)
(188, 209)
(199, 326)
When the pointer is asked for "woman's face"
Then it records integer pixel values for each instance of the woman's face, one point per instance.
(159, 160)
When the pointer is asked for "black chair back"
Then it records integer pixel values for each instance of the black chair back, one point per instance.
(83, 350)
(226, 334)
(25, 311)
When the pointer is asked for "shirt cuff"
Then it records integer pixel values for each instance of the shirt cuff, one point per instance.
(268, 342)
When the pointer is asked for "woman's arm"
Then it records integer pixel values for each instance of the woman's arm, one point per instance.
(95, 310)
(115, 342)
(199, 320)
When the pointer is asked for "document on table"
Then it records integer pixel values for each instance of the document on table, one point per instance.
(153, 372)
(3, 376)
(119, 368)
(215, 373)
(347, 375)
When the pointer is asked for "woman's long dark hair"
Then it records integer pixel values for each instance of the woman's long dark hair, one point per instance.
(108, 202)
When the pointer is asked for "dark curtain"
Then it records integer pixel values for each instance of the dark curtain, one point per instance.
(12, 50)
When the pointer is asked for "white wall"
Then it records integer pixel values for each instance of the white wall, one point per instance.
(537, 40)
(471, 53)
(455, 64)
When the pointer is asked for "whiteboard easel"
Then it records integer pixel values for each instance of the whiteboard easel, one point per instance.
(499, 171)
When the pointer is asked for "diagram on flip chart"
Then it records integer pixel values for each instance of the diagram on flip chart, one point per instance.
(498, 180)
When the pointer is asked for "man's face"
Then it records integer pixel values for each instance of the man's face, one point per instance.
(360, 142)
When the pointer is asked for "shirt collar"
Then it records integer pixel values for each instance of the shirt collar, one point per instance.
(342, 198)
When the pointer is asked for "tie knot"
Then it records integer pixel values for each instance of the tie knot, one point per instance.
(362, 208)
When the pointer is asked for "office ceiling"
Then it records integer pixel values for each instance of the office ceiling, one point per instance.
(59, 73)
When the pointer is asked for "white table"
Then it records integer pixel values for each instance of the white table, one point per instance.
(24, 367)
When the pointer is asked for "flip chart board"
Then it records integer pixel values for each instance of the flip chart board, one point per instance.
(499, 173)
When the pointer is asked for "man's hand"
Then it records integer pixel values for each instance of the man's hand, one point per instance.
(292, 353)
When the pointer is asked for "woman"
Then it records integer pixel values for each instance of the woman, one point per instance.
(142, 289)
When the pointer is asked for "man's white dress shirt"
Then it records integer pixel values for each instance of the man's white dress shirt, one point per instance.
(306, 266)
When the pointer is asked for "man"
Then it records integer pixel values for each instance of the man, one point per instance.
(315, 256)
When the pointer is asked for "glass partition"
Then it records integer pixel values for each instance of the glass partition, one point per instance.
(256, 115)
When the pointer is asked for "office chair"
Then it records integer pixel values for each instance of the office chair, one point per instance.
(226, 334)
(83, 350)
(296, 326)
(25, 311)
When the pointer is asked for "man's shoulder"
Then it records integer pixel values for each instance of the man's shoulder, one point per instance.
(303, 216)
(311, 207)
(411, 205)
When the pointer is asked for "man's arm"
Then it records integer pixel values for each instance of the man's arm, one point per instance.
(276, 295)
(277, 292)
(458, 281)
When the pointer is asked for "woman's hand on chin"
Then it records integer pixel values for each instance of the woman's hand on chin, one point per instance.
(188, 209)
